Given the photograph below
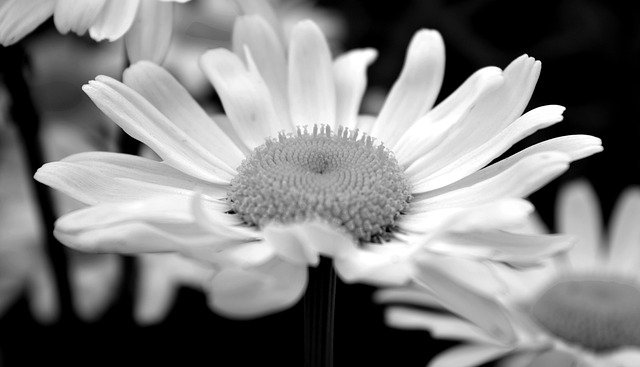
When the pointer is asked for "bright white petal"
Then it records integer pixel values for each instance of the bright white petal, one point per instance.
(265, 11)
(150, 35)
(244, 94)
(140, 119)
(440, 326)
(578, 214)
(312, 92)
(95, 282)
(624, 253)
(248, 293)
(472, 161)
(20, 17)
(518, 180)
(429, 130)
(269, 55)
(350, 75)
(160, 277)
(627, 357)
(101, 177)
(114, 20)
(166, 94)
(76, 16)
(416, 89)
(482, 311)
(407, 295)
(469, 356)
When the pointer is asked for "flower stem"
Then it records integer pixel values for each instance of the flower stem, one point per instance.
(26, 118)
(319, 307)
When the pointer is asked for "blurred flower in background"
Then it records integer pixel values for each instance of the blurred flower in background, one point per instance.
(145, 24)
(581, 308)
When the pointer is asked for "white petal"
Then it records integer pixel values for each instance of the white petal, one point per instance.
(99, 177)
(626, 357)
(244, 94)
(483, 311)
(462, 166)
(556, 358)
(263, 9)
(430, 129)
(290, 246)
(269, 55)
(416, 89)
(95, 282)
(490, 115)
(160, 277)
(624, 242)
(248, 293)
(518, 180)
(578, 214)
(20, 17)
(350, 75)
(440, 326)
(150, 34)
(517, 249)
(140, 119)
(76, 16)
(42, 290)
(469, 356)
(575, 146)
(312, 92)
(166, 94)
(407, 295)
(114, 20)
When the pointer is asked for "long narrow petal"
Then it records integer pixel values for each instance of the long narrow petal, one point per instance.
(578, 214)
(76, 16)
(416, 89)
(483, 311)
(269, 55)
(20, 17)
(101, 177)
(469, 355)
(244, 94)
(42, 290)
(518, 180)
(429, 130)
(575, 146)
(312, 93)
(150, 34)
(140, 119)
(166, 94)
(248, 293)
(265, 10)
(624, 242)
(469, 163)
(350, 75)
(440, 326)
(490, 115)
(114, 20)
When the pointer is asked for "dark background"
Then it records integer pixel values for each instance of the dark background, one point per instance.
(589, 51)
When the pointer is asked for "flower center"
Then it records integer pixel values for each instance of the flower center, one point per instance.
(600, 314)
(340, 177)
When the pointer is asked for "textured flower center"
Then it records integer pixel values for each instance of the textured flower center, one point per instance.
(341, 177)
(600, 314)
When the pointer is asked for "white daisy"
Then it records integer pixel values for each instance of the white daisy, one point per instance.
(582, 309)
(145, 24)
(252, 194)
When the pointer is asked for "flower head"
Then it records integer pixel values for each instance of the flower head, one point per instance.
(582, 308)
(293, 172)
(145, 24)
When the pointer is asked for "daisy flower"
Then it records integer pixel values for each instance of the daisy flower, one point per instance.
(581, 309)
(145, 24)
(292, 172)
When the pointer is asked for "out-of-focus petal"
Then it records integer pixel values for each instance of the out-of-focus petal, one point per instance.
(95, 281)
(150, 34)
(350, 75)
(114, 20)
(624, 241)
(76, 16)
(469, 355)
(19, 17)
(248, 293)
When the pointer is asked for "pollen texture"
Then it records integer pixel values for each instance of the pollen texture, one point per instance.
(340, 176)
(600, 315)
